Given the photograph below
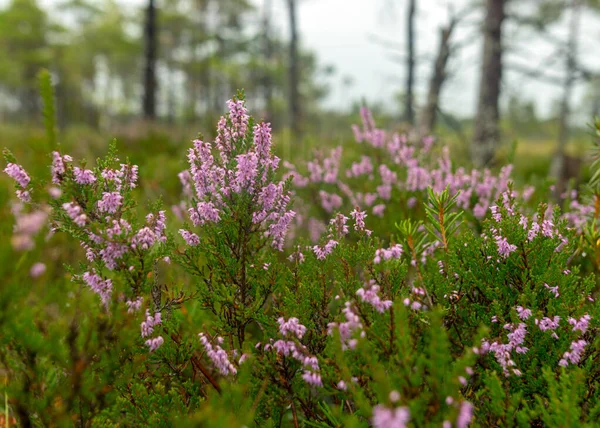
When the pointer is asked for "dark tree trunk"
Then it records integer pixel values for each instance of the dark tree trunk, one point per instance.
(150, 37)
(409, 111)
(558, 161)
(294, 95)
(486, 132)
(436, 82)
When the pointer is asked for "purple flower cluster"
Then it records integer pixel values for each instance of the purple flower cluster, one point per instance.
(59, 166)
(369, 294)
(75, 213)
(217, 355)
(102, 287)
(291, 326)
(110, 202)
(503, 351)
(325, 250)
(359, 221)
(134, 305)
(384, 254)
(288, 347)
(384, 417)
(147, 327)
(478, 189)
(27, 226)
(574, 356)
(240, 169)
(83, 176)
(348, 328)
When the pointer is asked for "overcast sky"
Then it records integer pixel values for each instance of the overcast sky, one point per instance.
(338, 31)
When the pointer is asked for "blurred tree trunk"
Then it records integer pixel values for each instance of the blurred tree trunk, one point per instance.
(294, 95)
(268, 54)
(436, 82)
(150, 37)
(409, 112)
(558, 160)
(486, 132)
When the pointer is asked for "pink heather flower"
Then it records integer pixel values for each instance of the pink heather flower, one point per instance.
(384, 417)
(37, 270)
(462, 380)
(369, 295)
(58, 166)
(204, 212)
(364, 167)
(296, 256)
(330, 201)
(359, 220)
(113, 252)
(553, 290)
(155, 343)
(341, 385)
(338, 224)
(394, 396)
(347, 328)
(312, 378)
(323, 252)
(190, 238)
(384, 254)
(465, 415)
(582, 324)
(130, 174)
(83, 176)
(503, 351)
(75, 212)
(262, 139)
(292, 326)
(54, 192)
(523, 313)
(147, 326)
(496, 213)
(134, 305)
(504, 248)
(144, 239)
(30, 223)
(285, 347)
(428, 142)
(112, 176)
(246, 173)
(17, 173)
(102, 287)
(110, 202)
(218, 356)
(23, 195)
(548, 323)
(378, 210)
(533, 232)
(118, 228)
(573, 357)
(278, 229)
(238, 114)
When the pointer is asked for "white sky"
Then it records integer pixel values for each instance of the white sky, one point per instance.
(338, 31)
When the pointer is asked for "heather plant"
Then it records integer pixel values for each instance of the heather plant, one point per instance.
(394, 173)
(387, 291)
